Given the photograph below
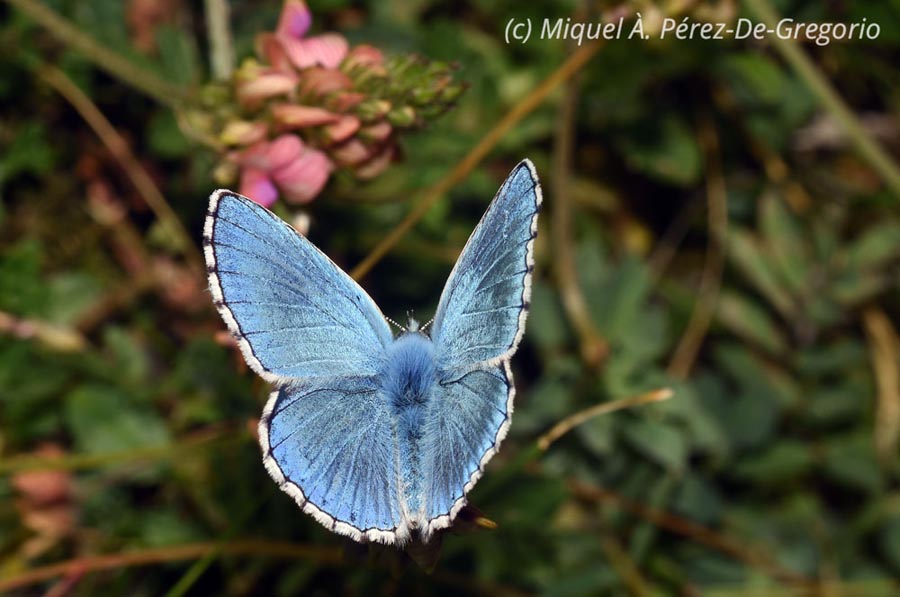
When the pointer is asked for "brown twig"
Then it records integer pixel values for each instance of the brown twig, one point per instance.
(53, 336)
(623, 564)
(135, 171)
(107, 59)
(593, 346)
(251, 547)
(884, 346)
(566, 425)
(571, 66)
(711, 279)
(737, 549)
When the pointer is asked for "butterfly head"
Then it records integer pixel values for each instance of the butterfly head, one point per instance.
(412, 325)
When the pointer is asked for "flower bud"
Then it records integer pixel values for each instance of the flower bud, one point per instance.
(243, 132)
(294, 116)
(402, 117)
(342, 130)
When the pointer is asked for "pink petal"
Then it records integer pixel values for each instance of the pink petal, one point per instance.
(284, 150)
(342, 129)
(351, 153)
(303, 179)
(365, 56)
(268, 156)
(253, 91)
(257, 185)
(375, 165)
(378, 132)
(342, 102)
(295, 19)
(270, 50)
(297, 116)
(326, 50)
(321, 81)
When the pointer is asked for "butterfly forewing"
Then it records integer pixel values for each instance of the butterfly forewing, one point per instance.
(294, 312)
(481, 314)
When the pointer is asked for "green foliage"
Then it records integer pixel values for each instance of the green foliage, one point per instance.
(763, 470)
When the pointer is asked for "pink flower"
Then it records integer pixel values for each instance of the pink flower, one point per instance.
(288, 46)
(283, 166)
(303, 179)
(257, 185)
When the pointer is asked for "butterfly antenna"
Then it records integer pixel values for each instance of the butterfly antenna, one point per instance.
(430, 321)
(400, 327)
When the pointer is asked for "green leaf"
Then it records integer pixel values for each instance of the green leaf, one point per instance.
(850, 461)
(660, 442)
(876, 247)
(129, 357)
(855, 286)
(619, 302)
(69, 294)
(785, 241)
(890, 543)
(31, 152)
(748, 255)
(165, 136)
(786, 461)
(20, 268)
(547, 326)
(755, 78)
(104, 419)
(669, 153)
(698, 498)
(749, 321)
(178, 54)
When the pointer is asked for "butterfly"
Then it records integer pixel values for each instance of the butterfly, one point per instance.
(377, 437)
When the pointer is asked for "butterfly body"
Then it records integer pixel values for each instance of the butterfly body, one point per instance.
(376, 437)
(407, 387)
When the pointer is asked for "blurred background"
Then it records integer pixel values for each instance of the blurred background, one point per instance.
(720, 219)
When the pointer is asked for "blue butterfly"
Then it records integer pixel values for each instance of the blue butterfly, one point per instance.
(376, 436)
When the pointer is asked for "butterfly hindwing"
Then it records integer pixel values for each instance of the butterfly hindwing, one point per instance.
(293, 311)
(481, 314)
(466, 418)
(331, 444)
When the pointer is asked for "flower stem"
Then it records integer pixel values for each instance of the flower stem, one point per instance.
(133, 168)
(221, 50)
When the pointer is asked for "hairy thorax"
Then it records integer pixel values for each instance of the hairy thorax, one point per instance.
(409, 378)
